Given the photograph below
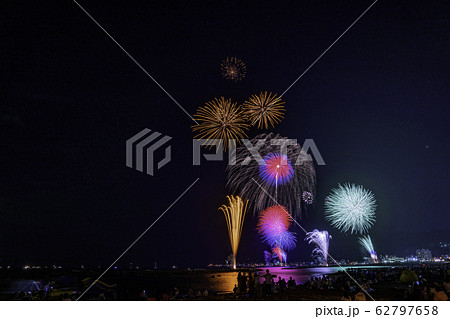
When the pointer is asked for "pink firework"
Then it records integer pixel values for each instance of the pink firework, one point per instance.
(279, 252)
(274, 221)
(273, 227)
(276, 169)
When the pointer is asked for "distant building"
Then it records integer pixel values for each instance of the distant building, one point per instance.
(423, 254)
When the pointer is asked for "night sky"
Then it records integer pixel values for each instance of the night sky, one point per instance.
(376, 105)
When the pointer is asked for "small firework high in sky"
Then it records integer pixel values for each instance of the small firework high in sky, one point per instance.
(265, 109)
(233, 69)
(307, 197)
(350, 207)
(220, 119)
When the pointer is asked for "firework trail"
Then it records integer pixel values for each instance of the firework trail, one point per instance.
(350, 207)
(285, 183)
(366, 243)
(234, 216)
(233, 69)
(220, 119)
(322, 241)
(265, 109)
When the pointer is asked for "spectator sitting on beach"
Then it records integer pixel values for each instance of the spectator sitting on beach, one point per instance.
(190, 293)
(360, 296)
(446, 286)
(66, 297)
(291, 283)
(346, 297)
(438, 294)
(242, 283)
(257, 283)
(143, 296)
(251, 285)
(268, 283)
(281, 284)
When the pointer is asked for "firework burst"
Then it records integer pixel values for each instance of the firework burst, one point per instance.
(222, 120)
(276, 169)
(265, 109)
(366, 243)
(280, 253)
(249, 180)
(350, 207)
(233, 69)
(322, 241)
(234, 215)
(273, 226)
(307, 197)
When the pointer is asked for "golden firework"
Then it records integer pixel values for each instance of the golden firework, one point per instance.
(233, 69)
(222, 120)
(234, 216)
(266, 109)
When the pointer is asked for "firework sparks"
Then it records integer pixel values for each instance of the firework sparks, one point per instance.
(322, 241)
(273, 227)
(366, 243)
(234, 216)
(233, 69)
(276, 169)
(246, 180)
(265, 109)
(350, 207)
(222, 120)
(280, 253)
(307, 197)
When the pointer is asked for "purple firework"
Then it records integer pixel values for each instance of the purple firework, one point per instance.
(307, 197)
(276, 169)
(273, 227)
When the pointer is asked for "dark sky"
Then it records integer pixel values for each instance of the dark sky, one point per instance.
(376, 106)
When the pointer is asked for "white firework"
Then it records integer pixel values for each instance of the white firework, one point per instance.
(350, 207)
(366, 243)
(322, 240)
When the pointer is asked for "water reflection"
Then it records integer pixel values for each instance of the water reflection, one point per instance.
(224, 282)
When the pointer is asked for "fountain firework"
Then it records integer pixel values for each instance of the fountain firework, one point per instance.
(322, 241)
(234, 216)
(366, 243)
